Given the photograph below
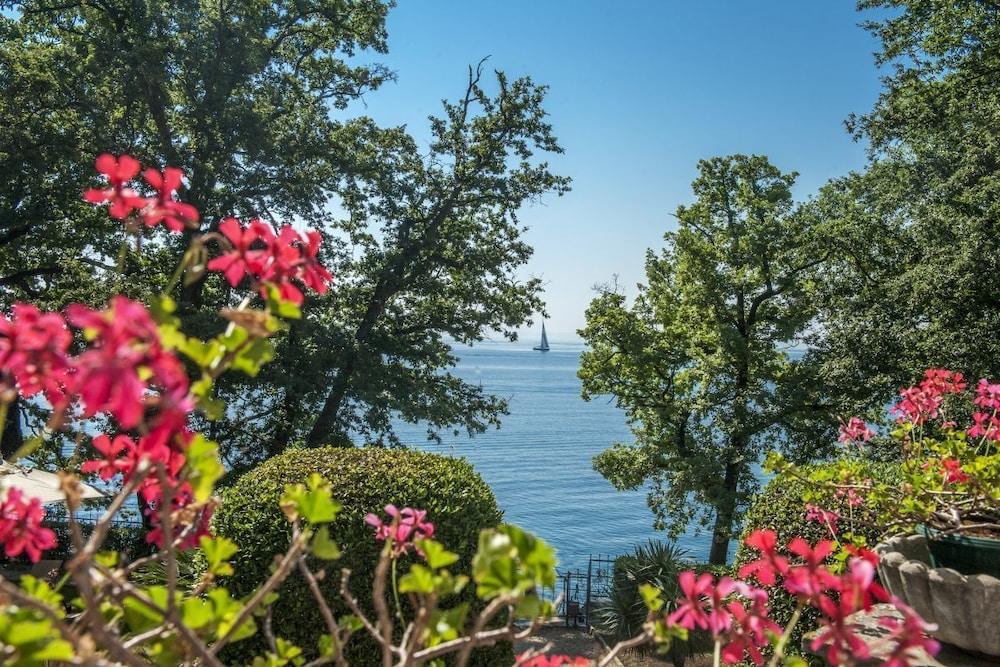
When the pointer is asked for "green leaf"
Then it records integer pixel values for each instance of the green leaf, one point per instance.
(323, 547)
(314, 503)
(218, 551)
(204, 467)
(418, 580)
(435, 554)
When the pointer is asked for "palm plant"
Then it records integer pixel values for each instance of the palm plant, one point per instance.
(622, 613)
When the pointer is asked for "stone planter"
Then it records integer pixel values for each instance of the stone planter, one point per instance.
(966, 608)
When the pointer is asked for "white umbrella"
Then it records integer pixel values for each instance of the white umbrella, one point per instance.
(36, 483)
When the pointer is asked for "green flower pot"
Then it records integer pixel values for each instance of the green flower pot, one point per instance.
(964, 553)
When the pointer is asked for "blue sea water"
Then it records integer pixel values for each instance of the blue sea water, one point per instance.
(539, 462)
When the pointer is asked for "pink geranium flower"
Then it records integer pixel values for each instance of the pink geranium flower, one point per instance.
(855, 430)
(119, 171)
(404, 527)
(810, 579)
(770, 564)
(124, 360)
(21, 529)
(33, 352)
(163, 208)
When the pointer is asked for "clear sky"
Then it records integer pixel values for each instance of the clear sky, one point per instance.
(639, 92)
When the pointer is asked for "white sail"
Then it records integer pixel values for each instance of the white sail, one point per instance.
(544, 345)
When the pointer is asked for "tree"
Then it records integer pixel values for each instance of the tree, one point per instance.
(916, 273)
(436, 245)
(699, 360)
(237, 94)
(240, 96)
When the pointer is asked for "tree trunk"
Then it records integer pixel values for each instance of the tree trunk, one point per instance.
(725, 512)
(13, 437)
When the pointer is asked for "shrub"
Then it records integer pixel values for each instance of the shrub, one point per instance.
(457, 500)
(779, 507)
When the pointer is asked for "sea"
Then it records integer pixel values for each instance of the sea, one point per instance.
(539, 463)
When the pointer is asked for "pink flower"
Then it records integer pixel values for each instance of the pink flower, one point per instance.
(278, 260)
(819, 515)
(923, 401)
(987, 395)
(703, 602)
(855, 430)
(111, 464)
(909, 636)
(33, 348)
(770, 563)
(404, 527)
(118, 171)
(750, 630)
(810, 579)
(850, 496)
(20, 526)
(124, 360)
(244, 258)
(163, 208)
(985, 424)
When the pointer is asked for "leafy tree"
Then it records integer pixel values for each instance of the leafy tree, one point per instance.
(915, 278)
(240, 96)
(699, 360)
(436, 244)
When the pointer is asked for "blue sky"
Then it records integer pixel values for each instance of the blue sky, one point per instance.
(639, 92)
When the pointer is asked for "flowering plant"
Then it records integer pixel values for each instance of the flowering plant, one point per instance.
(134, 368)
(950, 470)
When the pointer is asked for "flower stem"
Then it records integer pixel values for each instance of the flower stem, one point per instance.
(779, 650)
(717, 654)
(395, 593)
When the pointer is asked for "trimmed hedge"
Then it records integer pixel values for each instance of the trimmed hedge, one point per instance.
(779, 507)
(457, 500)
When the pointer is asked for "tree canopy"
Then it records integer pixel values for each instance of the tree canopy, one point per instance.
(424, 240)
(699, 361)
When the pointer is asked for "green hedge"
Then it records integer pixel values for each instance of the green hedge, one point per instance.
(457, 500)
(779, 507)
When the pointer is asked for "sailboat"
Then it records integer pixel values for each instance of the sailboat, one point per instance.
(544, 345)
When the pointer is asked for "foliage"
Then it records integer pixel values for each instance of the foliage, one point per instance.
(698, 361)
(779, 507)
(950, 472)
(127, 377)
(246, 99)
(914, 234)
(363, 481)
(623, 614)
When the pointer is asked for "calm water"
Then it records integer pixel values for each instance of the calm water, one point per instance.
(539, 461)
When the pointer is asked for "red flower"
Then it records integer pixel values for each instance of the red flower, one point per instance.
(985, 424)
(33, 349)
(810, 579)
(551, 661)
(163, 208)
(20, 526)
(405, 526)
(243, 259)
(819, 515)
(703, 604)
(125, 359)
(952, 471)
(855, 430)
(909, 636)
(118, 171)
(770, 563)
(112, 463)
(750, 629)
